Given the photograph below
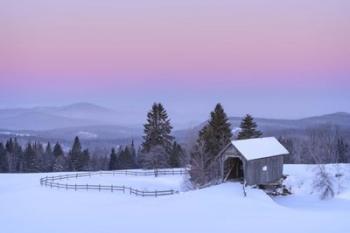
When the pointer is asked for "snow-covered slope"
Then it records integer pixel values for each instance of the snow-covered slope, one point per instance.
(28, 207)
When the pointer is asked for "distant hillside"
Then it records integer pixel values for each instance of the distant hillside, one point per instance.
(45, 118)
(98, 124)
(281, 126)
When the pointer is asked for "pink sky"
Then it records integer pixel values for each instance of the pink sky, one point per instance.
(208, 44)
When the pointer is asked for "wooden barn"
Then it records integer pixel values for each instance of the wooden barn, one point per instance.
(257, 161)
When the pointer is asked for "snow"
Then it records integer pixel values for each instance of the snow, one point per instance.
(146, 183)
(28, 207)
(257, 148)
(87, 135)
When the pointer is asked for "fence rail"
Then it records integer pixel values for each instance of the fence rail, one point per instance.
(51, 181)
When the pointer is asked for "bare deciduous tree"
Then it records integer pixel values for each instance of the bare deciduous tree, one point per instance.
(324, 182)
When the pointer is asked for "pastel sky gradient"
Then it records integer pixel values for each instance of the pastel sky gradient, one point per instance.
(293, 54)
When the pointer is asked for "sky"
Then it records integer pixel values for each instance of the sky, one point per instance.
(280, 59)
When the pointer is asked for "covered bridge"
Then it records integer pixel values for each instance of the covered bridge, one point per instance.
(254, 161)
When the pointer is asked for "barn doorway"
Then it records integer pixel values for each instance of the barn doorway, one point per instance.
(233, 169)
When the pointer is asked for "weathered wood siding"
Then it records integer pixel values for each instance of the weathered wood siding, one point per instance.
(255, 173)
(253, 169)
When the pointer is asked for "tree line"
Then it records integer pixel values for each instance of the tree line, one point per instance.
(159, 148)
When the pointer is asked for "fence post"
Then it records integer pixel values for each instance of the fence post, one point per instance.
(87, 187)
(112, 188)
(75, 187)
(66, 186)
(156, 193)
(99, 188)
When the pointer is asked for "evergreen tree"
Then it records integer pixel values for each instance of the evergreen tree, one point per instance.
(217, 133)
(342, 151)
(14, 152)
(39, 151)
(76, 155)
(176, 155)
(60, 164)
(125, 159)
(84, 161)
(156, 158)
(113, 161)
(157, 129)
(133, 155)
(248, 128)
(211, 140)
(48, 159)
(4, 166)
(57, 150)
(31, 163)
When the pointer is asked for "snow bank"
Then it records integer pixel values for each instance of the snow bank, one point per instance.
(28, 207)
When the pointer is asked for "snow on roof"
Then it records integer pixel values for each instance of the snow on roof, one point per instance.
(257, 148)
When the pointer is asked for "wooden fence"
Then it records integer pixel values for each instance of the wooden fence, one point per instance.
(52, 181)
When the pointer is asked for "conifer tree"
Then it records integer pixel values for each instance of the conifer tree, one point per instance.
(48, 159)
(217, 133)
(248, 128)
(133, 154)
(157, 129)
(211, 140)
(76, 155)
(30, 159)
(57, 150)
(156, 158)
(157, 134)
(125, 159)
(60, 164)
(14, 152)
(84, 161)
(60, 161)
(4, 166)
(113, 161)
(176, 155)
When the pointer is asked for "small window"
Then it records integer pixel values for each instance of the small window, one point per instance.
(264, 168)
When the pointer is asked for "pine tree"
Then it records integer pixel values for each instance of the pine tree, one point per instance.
(157, 129)
(57, 150)
(133, 155)
(60, 164)
(31, 163)
(176, 155)
(39, 151)
(211, 140)
(4, 166)
(12, 155)
(157, 132)
(125, 159)
(248, 128)
(217, 133)
(156, 158)
(113, 161)
(60, 161)
(342, 151)
(84, 160)
(48, 159)
(75, 155)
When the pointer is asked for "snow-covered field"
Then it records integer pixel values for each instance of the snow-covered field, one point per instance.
(28, 207)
